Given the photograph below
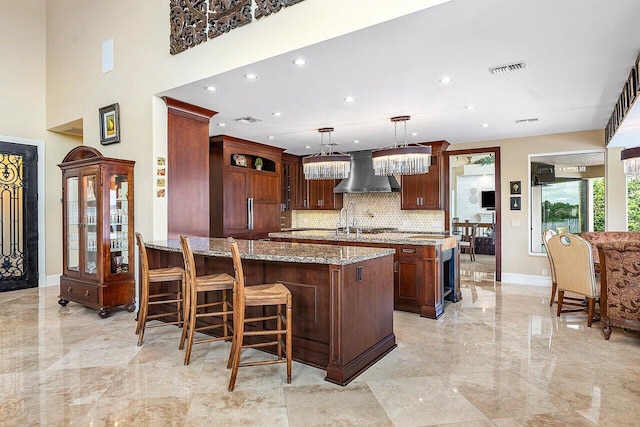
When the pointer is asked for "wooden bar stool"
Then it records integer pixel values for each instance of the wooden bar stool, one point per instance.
(220, 283)
(274, 294)
(164, 296)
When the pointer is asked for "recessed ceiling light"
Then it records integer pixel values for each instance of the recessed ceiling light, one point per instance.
(414, 133)
(485, 125)
(446, 80)
(222, 124)
(299, 62)
(271, 137)
(348, 99)
(211, 88)
(307, 146)
(277, 113)
(250, 76)
(469, 107)
(356, 141)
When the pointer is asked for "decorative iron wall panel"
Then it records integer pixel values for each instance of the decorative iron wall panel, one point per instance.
(226, 15)
(188, 24)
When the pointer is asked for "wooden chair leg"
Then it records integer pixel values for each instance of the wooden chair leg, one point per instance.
(236, 350)
(186, 316)
(279, 328)
(592, 306)
(192, 325)
(289, 339)
(560, 298)
(554, 287)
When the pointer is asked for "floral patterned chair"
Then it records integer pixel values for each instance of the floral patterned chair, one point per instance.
(620, 278)
(595, 237)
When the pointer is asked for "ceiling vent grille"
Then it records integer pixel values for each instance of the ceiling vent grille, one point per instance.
(248, 119)
(507, 68)
(531, 120)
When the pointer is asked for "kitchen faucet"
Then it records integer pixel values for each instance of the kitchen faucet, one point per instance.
(354, 220)
(346, 221)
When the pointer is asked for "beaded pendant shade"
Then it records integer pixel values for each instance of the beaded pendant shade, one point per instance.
(401, 159)
(326, 164)
(631, 160)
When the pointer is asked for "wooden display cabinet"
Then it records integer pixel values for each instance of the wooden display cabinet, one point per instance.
(97, 242)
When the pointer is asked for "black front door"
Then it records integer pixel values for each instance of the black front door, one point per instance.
(18, 216)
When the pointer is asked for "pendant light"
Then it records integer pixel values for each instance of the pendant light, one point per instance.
(326, 165)
(631, 160)
(401, 159)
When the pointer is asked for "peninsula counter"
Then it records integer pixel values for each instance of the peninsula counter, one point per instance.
(426, 266)
(342, 295)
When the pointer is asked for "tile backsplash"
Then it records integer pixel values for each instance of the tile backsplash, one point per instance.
(373, 210)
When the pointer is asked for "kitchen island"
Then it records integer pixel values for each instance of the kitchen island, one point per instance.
(426, 266)
(342, 295)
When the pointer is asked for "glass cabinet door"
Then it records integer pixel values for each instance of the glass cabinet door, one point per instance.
(90, 209)
(119, 223)
(73, 225)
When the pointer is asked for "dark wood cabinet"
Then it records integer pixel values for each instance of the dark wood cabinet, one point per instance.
(293, 184)
(320, 195)
(97, 242)
(245, 199)
(426, 191)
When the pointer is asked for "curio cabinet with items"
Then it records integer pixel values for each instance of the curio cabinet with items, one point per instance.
(97, 242)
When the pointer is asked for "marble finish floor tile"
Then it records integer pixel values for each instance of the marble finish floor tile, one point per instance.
(499, 357)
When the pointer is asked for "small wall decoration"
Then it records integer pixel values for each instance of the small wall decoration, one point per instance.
(514, 203)
(239, 160)
(515, 186)
(110, 124)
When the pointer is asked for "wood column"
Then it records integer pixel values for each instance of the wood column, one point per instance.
(187, 169)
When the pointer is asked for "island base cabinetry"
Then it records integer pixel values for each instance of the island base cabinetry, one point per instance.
(342, 314)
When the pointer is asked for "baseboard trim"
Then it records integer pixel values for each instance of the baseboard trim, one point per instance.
(526, 279)
(53, 280)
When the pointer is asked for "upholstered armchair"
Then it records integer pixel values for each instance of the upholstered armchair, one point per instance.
(573, 265)
(620, 276)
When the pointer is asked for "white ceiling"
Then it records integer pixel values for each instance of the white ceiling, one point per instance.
(578, 55)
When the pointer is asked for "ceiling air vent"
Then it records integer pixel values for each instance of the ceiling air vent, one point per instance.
(531, 120)
(507, 68)
(248, 119)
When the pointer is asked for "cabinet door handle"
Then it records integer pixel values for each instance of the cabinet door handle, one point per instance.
(395, 266)
(408, 251)
(69, 289)
(86, 293)
(250, 213)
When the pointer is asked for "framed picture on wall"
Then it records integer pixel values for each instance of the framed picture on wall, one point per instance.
(515, 186)
(110, 124)
(514, 203)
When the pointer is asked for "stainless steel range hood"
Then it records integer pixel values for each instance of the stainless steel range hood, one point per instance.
(362, 179)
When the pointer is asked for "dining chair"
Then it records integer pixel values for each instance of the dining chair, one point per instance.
(468, 242)
(165, 295)
(573, 264)
(272, 294)
(216, 310)
(546, 235)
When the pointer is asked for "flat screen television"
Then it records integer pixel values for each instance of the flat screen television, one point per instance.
(488, 199)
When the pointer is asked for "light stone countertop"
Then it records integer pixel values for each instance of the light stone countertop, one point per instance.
(422, 239)
(276, 251)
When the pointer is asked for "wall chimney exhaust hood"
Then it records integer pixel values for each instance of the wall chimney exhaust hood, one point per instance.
(362, 179)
